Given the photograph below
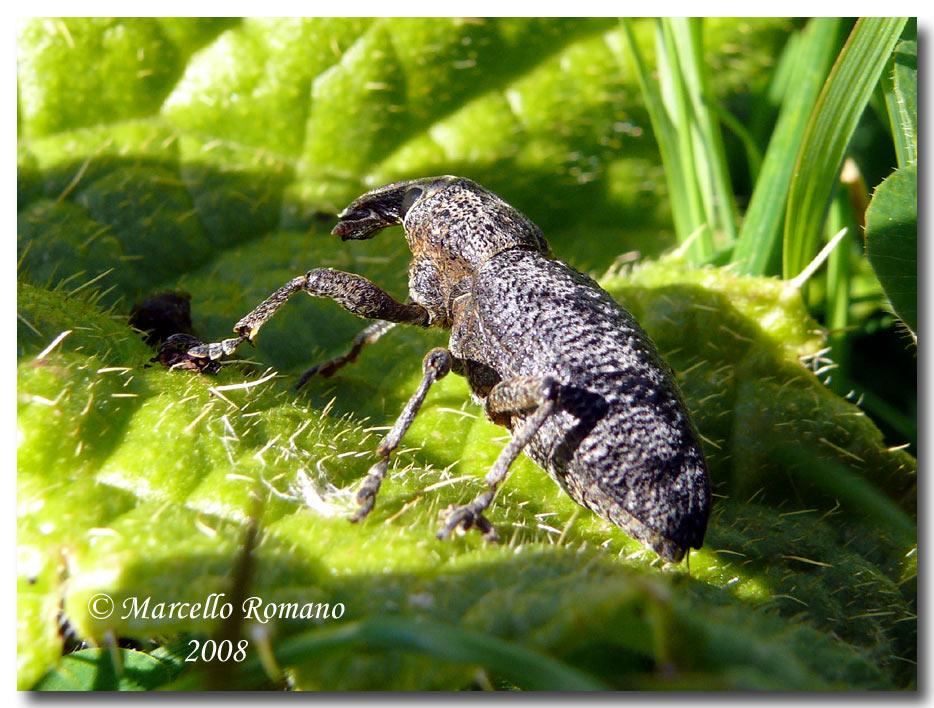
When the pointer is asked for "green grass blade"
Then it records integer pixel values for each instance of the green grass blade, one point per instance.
(758, 249)
(687, 131)
(666, 137)
(706, 140)
(783, 78)
(900, 86)
(839, 107)
(839, 276)
(677, 102)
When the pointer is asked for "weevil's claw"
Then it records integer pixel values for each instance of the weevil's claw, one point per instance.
(467, 517)
(486, 528)
(363, 512)
(366, 495)
(246, 332)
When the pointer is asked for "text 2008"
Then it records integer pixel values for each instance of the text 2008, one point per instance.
(224, 650)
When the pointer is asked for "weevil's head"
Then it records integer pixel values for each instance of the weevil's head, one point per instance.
(385, 206)
(452, 217)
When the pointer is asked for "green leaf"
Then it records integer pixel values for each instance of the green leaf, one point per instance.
(838, 110)
(116, 69)
(140, 482)
(892, 240)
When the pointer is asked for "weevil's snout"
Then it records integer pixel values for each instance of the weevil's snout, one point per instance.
(384, 206)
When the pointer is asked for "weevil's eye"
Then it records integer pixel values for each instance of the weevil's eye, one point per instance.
(411, 196)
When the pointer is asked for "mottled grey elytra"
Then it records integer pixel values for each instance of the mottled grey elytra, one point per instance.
(546, 352)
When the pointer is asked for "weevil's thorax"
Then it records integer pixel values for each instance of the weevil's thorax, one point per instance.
(454, 231)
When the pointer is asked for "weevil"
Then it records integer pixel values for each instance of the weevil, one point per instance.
(545, 350)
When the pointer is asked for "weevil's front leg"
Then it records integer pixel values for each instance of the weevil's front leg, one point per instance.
(353, 292)
(436, 365)
(368, 336)
(508, 396)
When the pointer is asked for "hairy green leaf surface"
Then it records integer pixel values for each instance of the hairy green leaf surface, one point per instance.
(209, 158)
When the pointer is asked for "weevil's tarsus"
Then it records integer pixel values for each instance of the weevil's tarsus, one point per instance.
(213, 351)
(471, 516)
(175, 353)
(512, 396)
(436, 365)
(369, 335)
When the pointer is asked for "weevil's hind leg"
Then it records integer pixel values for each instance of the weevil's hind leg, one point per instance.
(353, 292)
(509, 396)
(328, 368)
(436, 365)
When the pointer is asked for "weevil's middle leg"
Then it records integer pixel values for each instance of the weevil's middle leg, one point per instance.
(436, 365)
(508, 396)
(353, 292)
(367, 336)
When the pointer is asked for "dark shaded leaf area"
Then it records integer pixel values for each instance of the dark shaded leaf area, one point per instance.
(208, 158)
